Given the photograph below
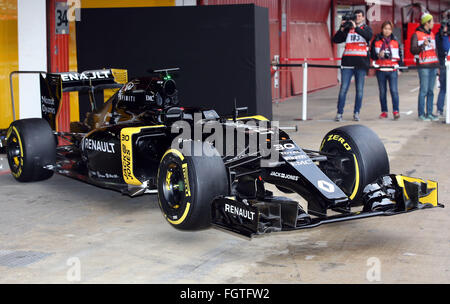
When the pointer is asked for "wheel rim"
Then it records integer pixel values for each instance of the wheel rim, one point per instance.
(14, 152)
(174, 187)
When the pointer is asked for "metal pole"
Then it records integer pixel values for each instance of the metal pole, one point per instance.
(305, 91)
(276, 80)
(11, 87)
(447, 69)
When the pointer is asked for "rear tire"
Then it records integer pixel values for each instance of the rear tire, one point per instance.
(187, 185)
(31, 145)
(361, 159)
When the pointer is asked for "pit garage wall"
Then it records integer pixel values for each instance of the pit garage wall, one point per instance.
(309, 37)
(298, 29)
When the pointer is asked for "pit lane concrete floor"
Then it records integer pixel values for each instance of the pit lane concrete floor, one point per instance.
(49, 230)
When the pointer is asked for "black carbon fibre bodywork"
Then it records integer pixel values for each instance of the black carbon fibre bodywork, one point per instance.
(120, 145)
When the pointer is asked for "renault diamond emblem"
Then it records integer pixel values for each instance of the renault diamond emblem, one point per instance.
(326, 186)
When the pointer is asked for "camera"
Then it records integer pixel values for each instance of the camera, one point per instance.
(348, 18)
(387, 54)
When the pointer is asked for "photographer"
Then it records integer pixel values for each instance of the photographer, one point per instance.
(442, 46)
(423, 46)
(385, 50)
(356, 35)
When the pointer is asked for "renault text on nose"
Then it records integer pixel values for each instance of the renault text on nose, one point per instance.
(239, 212)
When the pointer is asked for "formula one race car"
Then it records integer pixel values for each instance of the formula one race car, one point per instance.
(132, 143)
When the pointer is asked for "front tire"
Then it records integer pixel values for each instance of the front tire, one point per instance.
(188, 184)
(358, 158)
(30, 145)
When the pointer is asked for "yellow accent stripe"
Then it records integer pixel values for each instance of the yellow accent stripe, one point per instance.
(179, 221)
(174, 151)
(168, 176)
(355, 190)
(401, 178)
(120, 76)
(19, 171)
(257, 117)
(187, 188)
(127, 153)
(20, 141)
(431, 198)
(323, 143)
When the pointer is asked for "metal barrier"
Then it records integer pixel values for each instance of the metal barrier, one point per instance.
(306, 65)
(447, 116)
(12, 88)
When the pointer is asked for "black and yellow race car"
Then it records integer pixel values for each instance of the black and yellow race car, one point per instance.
(142, 141)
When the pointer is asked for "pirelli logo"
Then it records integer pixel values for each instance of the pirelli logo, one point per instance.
(338, 138)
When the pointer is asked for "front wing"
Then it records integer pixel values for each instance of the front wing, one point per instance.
(389, 195)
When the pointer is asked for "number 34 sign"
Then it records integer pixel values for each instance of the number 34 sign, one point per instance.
(64, 13)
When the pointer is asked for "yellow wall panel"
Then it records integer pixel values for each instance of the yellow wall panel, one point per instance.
(73, 66)
(9, 60)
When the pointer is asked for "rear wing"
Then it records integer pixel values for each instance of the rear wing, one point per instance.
(97, 79)
(53, 85)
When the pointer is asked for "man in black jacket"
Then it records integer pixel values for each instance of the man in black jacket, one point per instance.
(355, 60)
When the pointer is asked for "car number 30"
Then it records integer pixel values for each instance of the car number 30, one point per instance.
(284, 147)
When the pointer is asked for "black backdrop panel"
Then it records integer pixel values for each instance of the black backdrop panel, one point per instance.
(223, 51)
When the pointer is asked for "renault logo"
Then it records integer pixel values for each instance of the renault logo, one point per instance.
(325, 186)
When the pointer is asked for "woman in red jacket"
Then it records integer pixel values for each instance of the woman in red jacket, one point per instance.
(385, 51)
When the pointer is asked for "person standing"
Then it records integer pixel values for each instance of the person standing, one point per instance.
(385, 51)
(355, 60)
(423, 46)
(442, 46)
